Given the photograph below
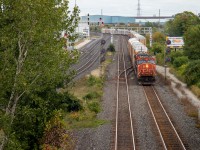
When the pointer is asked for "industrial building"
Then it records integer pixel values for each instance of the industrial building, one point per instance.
(95, 19)
(108, 19)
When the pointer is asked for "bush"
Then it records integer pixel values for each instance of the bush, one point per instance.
(157, 48)
(179, 61)
(91, 95)
(92, 80)
(55, 135)
(160, 59)
(192, 73)
(174, 55)
(94, 106)
(71, 103)
(111, 48)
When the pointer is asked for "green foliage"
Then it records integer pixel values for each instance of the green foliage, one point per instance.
(71, 103)
(32, 65)
(160, 59)
(158, 37)
(92, 80)
(34, 113)
(192, 73)
(181, 70)
(192, 44)
(179, 61)
(174, 55)
(94, 106)
(111, 48)
(157, 48)
(91, 95)
(182, 21)
(55, 135)
(151, 24)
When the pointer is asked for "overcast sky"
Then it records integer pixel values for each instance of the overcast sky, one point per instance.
(129, 7)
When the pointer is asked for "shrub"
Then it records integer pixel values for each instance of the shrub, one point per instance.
(192, 73)
(55, 135)
(157, 48)
(174, 55)
(179, 61)
(91, 95)
(94, 106)
(160, 59)
(92, 80)
(111, 48)
(71, 103)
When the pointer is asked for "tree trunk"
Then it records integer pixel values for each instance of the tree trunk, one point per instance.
(14, 97)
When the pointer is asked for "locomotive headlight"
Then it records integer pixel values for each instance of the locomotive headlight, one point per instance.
(147, 66)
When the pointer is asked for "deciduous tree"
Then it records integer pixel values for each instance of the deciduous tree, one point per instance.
(181, 22)
(32, 59)
(192, 43)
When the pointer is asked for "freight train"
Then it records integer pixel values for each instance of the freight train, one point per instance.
(143, 63)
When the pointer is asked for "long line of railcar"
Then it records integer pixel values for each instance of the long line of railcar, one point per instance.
(143, 63)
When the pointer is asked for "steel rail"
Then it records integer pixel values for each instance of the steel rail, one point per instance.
(128, 100)
(129, 106)
(164, 142)
(93, 59)
(169, 120)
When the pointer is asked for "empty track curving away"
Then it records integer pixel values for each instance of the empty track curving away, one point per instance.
(90, 57)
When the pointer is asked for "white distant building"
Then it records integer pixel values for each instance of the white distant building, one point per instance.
(83, 29)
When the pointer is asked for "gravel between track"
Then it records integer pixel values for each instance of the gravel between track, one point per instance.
(101, 138)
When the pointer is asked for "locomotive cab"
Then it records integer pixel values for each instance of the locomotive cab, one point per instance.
(146, 69)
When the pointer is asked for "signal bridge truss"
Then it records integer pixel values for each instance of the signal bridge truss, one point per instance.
(139, 30)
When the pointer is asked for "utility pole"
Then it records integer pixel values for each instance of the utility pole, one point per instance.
(138, 9)
(159, 20)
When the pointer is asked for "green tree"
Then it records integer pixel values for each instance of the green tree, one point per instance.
(181, 22)
(192, 44)
(157, 48)
(192, 73)
(158, 37)
(32, 60)
(174, 55)
(179, 61)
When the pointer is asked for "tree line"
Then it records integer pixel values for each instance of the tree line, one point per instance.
(33, 66)
(186, 62)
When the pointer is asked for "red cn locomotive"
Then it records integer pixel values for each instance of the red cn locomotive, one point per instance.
(144, 64)
(145, 68)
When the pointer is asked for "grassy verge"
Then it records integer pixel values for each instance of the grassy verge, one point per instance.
(196, 90)
(89, 90)
(177, 73)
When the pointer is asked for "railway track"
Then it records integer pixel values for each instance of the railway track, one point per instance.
(90, 57)
(168, 134)
(124, 135)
